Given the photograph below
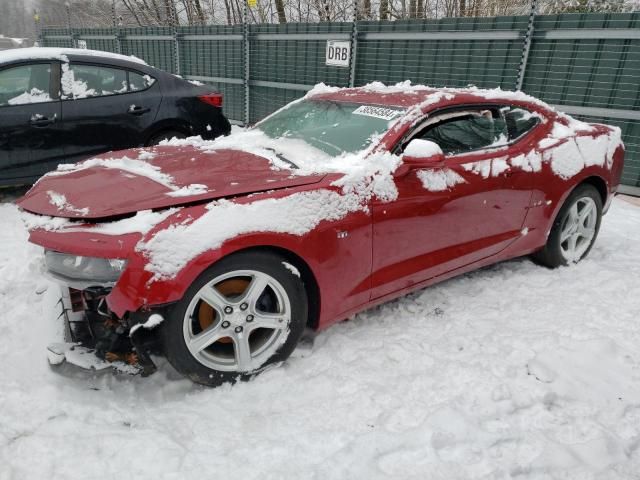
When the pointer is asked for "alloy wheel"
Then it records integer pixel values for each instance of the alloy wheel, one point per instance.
(578, 229)
(237, 321)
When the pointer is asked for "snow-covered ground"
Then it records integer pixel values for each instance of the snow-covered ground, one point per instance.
(514, 371)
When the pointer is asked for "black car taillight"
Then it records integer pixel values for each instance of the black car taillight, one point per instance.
(214, 99)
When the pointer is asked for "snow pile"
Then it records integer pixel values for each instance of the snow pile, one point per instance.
(307, 158)
(439, 180)
(530, 162)
(73, 88)
(574, 153)
(483, 168)
(292, 269)
(295, 214)
(59, 201)
(192, 189)
(43, 222)
(141, 222)
(422, 149)
(125, 164)
(146, 154)
(513, 371)
(32, 96)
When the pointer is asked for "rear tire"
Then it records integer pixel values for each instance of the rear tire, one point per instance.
(242, 314)
(574, 230)
(166, 135)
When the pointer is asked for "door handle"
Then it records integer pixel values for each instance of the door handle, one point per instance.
(136, 110)
(38, 120)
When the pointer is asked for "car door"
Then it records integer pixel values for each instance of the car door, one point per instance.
(102, 109)
(30, 127)
(451, 215)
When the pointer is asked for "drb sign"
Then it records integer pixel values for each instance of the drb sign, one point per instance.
(338, 53)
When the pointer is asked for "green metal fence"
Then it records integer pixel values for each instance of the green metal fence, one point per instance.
(587, 65)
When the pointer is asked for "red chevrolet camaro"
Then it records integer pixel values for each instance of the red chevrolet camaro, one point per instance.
(220, 253)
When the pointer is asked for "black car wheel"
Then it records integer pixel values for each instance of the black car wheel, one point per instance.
(242, 314)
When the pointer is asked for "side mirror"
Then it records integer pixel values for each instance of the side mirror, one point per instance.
(422, 154)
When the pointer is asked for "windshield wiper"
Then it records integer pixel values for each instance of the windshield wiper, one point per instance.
(281, 157)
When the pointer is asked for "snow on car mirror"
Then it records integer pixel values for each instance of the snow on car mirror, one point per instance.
(422, 154)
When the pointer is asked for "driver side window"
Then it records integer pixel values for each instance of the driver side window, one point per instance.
(469, 131)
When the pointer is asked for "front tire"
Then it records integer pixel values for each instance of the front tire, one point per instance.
(242, 314)
(574, 230)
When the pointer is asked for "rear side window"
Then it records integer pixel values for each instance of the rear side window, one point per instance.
(466, 133)
(519, 121)
(25, 84)
(140, 82)
(82, 81)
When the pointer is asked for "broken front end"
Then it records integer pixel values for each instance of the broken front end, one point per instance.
(96, 338)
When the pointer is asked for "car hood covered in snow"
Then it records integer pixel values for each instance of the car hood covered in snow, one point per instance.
(133, 180)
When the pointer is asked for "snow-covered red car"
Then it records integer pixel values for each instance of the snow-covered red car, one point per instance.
(226, 250)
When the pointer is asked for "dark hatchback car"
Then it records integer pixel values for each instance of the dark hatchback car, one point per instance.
(64, 105)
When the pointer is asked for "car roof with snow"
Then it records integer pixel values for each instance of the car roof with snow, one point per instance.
(405, 95)
(63, 54)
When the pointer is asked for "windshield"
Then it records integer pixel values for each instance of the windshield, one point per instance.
(330, 126)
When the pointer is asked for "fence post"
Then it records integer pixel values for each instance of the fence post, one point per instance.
(354, 45)
(173, 20)
(116, 30)
(39, 35)
(526, 45)
(245, 32)
(67, 7)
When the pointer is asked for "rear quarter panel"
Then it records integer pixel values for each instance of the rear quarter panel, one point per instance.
(552, 184)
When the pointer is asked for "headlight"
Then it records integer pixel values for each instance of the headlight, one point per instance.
(76, 267)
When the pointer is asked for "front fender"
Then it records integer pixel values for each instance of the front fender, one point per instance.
(138, 289)
(337, 250)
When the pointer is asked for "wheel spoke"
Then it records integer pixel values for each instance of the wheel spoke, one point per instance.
(206, 338)
(275, 321)
(585, 213)
(255, 289)
(565, 234)
(242, 351)
(571, 247)
(573, 213)
(213, 298)
(586, 232)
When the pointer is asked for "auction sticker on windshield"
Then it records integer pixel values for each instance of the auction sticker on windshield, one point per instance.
(377, 112)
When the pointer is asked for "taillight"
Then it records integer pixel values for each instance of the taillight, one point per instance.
(214, 99)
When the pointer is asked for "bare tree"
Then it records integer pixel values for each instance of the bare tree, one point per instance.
(92, 13)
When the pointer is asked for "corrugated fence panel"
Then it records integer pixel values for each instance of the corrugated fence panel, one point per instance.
(299, 60)
(601, 69)
(57, 37)
(486, 53)
(154, 45)
(98, 38)
(215, 55)
(575, 60)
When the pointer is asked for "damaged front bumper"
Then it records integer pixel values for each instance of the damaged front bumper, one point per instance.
(97, 340)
